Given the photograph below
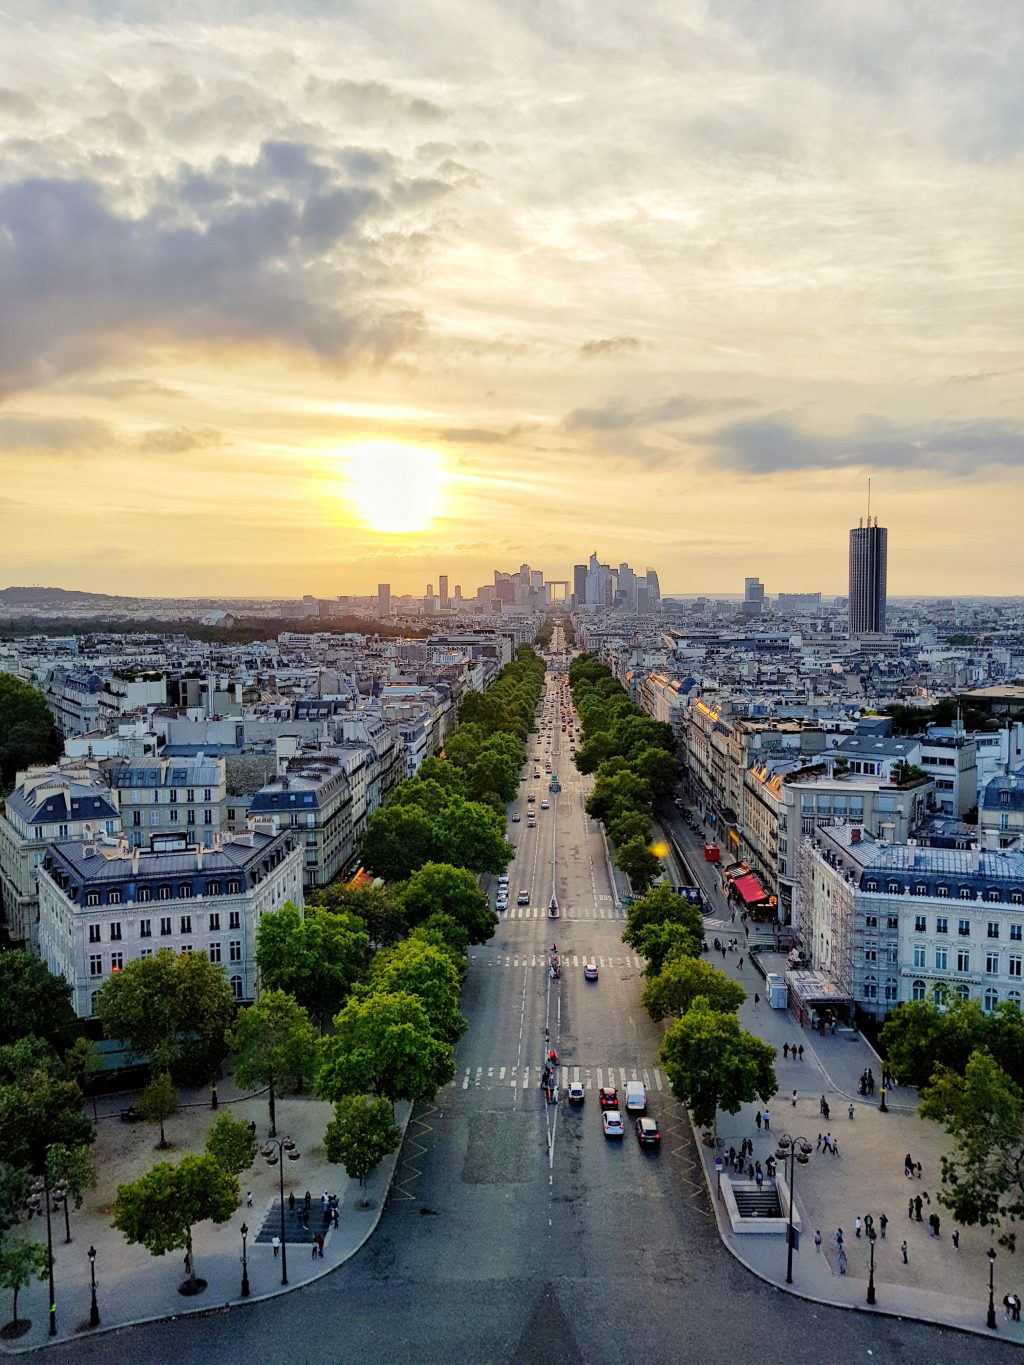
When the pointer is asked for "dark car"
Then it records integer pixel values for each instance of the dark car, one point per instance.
(647, 1133)
(609, 1097)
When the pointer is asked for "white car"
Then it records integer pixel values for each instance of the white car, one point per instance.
(503, 879)
(611, 1122)
(544, 806)
(576, 1093)
(501, 903)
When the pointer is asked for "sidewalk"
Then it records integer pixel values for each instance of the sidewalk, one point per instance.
(132, 1286)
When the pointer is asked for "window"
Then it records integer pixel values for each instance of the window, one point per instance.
(966, 894)
(236, 987)
(207, 817)
(234, 919)
(870, 954)
(185, 948)
(174, 817)
(136, 817)
(1015, 933)
(235, 950)
(893, 922)
(213, 888)
(184, 891)
(145, 952)
(920, 952)
(870, 988)
(942, 891)
(991, 964)
(1016, 897)
(145, 928)
(1013, 998)
(962, 992)
(116, 961)
(939, 994)
(92, 898)
(94, 933)
(114, 897)
(214, 919)
(963, 928)
(206, 793)
(1014, 967)
(891, 988)
(893, 888)
(145, 894)
(186, 924)
(115, 931)
(173, 796)
(993, 929)
(942, 925)
(94, 1001)
(991, 894)
(871, 921)
(920, 924)
(165, 926)
(941, 959)
(917, 991)
(963, 959)
(234, 887)
(214, 952)
(164, 893)
(190, 795)
(921, 889)
(871, 884)
(191, 817)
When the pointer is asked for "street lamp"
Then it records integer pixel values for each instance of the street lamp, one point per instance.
(273, 1152)
(871, 1273)
(883, 1107)
(245, 1263)
(40, 1195)
(793, 1150)
(991, 1320)
(94, 1312)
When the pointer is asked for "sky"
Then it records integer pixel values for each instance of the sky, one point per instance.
(301, 298)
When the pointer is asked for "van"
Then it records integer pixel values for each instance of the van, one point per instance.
(636, 1097)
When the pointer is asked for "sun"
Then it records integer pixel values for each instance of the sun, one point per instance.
(395, 488)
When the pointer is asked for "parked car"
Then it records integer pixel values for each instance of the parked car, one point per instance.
(503, 879)
(648, 1133)
(516, 817)
(611, 1122)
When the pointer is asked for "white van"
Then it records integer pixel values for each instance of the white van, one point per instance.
(636, 1097)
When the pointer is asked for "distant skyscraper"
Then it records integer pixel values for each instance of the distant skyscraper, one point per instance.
(384, 598)
(753, 596)
(653, 590)
(579, 584)
(442, 589)
(869, 553)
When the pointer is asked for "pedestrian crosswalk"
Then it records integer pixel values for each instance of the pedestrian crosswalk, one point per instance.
(490, 959)
(604, 910)
(592, 1078)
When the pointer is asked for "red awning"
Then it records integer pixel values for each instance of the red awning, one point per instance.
(750, 889)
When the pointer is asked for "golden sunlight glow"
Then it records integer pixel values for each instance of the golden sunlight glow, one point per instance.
(395, 488)
(660, 850)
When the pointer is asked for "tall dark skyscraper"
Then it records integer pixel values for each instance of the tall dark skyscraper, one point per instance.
(442, 589)
(868, 556)
(579, 584)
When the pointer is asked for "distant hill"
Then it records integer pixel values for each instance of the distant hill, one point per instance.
(50, 597)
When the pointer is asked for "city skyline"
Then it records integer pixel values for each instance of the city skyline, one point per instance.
(282, 322)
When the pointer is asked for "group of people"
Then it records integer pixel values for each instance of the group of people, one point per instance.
(827, 1143)
(797, 1051)
(330, 1210)
(742, 1162)
(911, 1168)
(867, 1082)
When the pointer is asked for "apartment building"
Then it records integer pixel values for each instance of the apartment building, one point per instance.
(184, 796)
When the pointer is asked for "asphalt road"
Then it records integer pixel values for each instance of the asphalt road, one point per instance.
(516, 1232)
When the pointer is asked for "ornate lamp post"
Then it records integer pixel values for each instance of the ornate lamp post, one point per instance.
(245, 1263)
(793, 1150)
(41, 1193)
(871, 1273)
(273, 1152)
(991, 1319)
(94, 1312)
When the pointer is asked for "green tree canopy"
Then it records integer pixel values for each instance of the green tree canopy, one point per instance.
(640, 863)
(714, 1064)
(27, 735)
(468, 834)
(361, 1134)
(160, 1209)
(34, 1001)
(429, 797)
(21, 1261)
(231, 1143)
(274, 1044)
(398, 840)
(616, 795)
(39, 1106)
(384, 1044)
(661, 906)
(317, 957)
(158, 1102)
(444, 773)
(75, 1167)
(658, 768)
(667, 938)
(375, 905)
(428, 972)
(444, 931)
(920, 1037)
(631, 824)
(681, 980)
(438, 888)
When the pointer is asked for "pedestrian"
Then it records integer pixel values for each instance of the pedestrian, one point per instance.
(842, 1261)
(856, 1225)
(785, 1052)
(337, 1216)
(248, 1199)
(818, 1147)
(871, 1081)
(800, 1050)
(850, 1110)
(826, 1111)
(883, 1223)
(732, 918)
(1016, 1307)
(821, 1106)
(931, 1225)
(839, 1237)
(918, 1170)
(937, 1224)
(835, 1146)
(1008, 1305)
(828, 1143)
(757, 1119)
(723, 952)
(275, 1242)
(320, 1245)
(833, 1030)
(817, 1240)
(741, 964)
(767, 1121)
(757, 1000)
(794, 1099)
(759, 1178)
(792, 1051)
(314, 1248)
(918, 1203)
(903, 1248)
(291, 1201)
(908, 1165)
(732, 1156)
(956, 1239)
(910, 1209)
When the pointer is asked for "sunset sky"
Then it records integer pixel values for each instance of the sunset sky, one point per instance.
(299, 298)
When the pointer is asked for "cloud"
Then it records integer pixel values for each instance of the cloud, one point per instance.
(127, 388)
(774, 445)
(280, 251)
(619, 414)
(373, 100)
(478, 436)
(49, 435)
(609, 346)
(176, 440)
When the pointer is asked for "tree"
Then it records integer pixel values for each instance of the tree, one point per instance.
(631, 824)
(75, 1167)
(660, 906)
(445, 931)
(658, 941)
(398, 840)
(429, 797)
(158, 1102)
(160, 1209)
(317, 957)
(444, 772)
(428, 973)
(493, 772)
(374, 905)
(468, 834)
(26, 728)
(714, 1064)
(232, 1144)
(21, 1260)
(438, 888)
(384, 1043)
(639, 863)
(681, 980)
(920, 1037)
(34, 1001)
(361, 1134)
(618, 794)
(39, 1106)
(982, 1110)
(658, 768)
(174, 1009)
(274, 1045)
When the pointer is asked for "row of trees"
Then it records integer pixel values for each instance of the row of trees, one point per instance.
(26, 728)
(633, 760)
(711, 1062)
(970, 1068)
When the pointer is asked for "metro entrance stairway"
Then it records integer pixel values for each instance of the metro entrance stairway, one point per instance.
(754, 1202)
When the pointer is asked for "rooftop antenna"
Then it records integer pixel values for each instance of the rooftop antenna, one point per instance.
(869, 502)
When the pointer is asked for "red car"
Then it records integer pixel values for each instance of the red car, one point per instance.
(609, 1097)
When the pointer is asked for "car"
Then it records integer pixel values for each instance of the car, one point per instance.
(530, 799)
(544, 805)
(501, 903)
(648, 1134)
(523, 898)
(503, 879)
(611, 1122)
(609, 1097)
(537, 774)
(516, 817)
(590, 972)
(576, 1093)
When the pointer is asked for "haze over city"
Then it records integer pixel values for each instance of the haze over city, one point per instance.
(296, 301)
